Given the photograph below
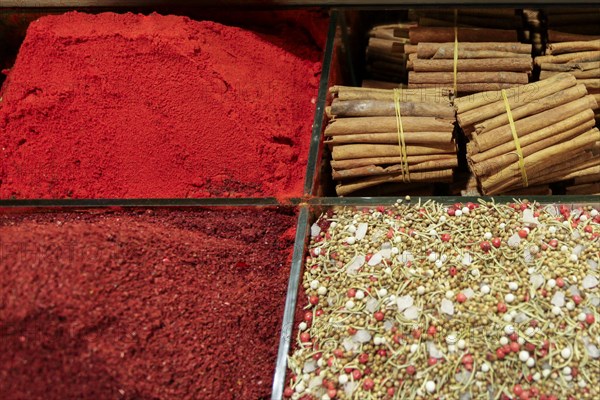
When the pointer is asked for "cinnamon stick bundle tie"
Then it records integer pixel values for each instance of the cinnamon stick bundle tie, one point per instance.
(515, 138)
(401, 141)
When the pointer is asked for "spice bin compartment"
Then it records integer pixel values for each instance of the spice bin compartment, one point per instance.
(522, 228)
(169, 292)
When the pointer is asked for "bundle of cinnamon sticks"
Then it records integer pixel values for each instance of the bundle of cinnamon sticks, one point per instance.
(386, 59)
(485, 64)
(379, 136)
(554, 126)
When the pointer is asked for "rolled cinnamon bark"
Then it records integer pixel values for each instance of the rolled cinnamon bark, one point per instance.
(392, 138)
(535, 122)
(533, 107)
(374, 84)
(558, 36)
(374, 108)
(569, 57)
(373, 170)
(477, 65)
(590, 84)
(482, 106)
(589, 189)
(353, 151)
(386, 46)
(344, 126)
(429, 34)
(430, 176)
(468, 77)
(345, 93)
(573, 47)
(581, 122)
(465, 87)
(568, 67)
(446, 50)
(362, 162)
(589, 74)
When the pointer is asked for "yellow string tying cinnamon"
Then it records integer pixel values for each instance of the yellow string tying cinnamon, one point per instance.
(401, 141)
(455, 51)
(515, 139)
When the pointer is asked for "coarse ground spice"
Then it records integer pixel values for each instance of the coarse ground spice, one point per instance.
(142, 305)
(132, 106)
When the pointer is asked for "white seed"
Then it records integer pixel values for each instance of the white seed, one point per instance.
(449, 294)
(594, 212)
(475, 272)
(349, 304)
(551, 283)
(530, 363)
(485, 367)
(300, 387)
(530, 331)
(451, 348)
(566, 370)
(443, 218)
(359, 294)
(343, 378)
(502, 225)
(395, 250)
(439, 263)
(461, 344)
(503, 340)
(302, 326)
(351, 240)
(465, 210)
(487, 235)
(568, 378)
(507, 318)
(564, 248)
(451, 339)
(556, 310)
(432, 232)
(322, 290)
(509, 329)
(570, 306)
(430, 386)
(520, 340)
(537, 376)
(414, 347)
(513, 285)
(352, 229)
(581, 383)
(523, 355)
(432, 256)
(565, 353)
(314, 284)
(552, 230)
(458, 213)
(509, 298)
(421, 290)
(581, 317)
(388, 271)
(485, 289)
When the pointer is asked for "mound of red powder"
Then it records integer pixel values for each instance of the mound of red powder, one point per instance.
(149, 305)
(132, 106)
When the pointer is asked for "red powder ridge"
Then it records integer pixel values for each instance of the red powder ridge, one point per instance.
(132, 106)
(151, 305)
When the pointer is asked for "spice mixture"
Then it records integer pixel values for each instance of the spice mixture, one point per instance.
(132, 106)
(470, 301)
(142, 305)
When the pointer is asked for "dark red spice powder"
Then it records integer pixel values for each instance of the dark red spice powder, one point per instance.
(132, 106)
(142, 305)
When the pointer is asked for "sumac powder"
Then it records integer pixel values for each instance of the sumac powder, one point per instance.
(133, 106)
(142, 305)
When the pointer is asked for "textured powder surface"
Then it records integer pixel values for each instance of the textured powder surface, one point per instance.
(142, 305)
(132, 106)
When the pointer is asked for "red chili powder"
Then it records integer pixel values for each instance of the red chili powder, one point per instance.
(148, 305)
(132, 106)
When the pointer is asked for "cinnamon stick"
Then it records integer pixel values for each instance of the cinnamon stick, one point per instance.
(589, 189)
(373, 108)
(465, 87)
(407, 95)
(476, 65)
(468, 77)
(362, 162)
(352, 151)
(589, 74)
(392, 138)
(569, 57)
(373, 170)
(430, 176)
(573, 47)
(557, 36)
(344, 126)
(568, 67)
(433, 34)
